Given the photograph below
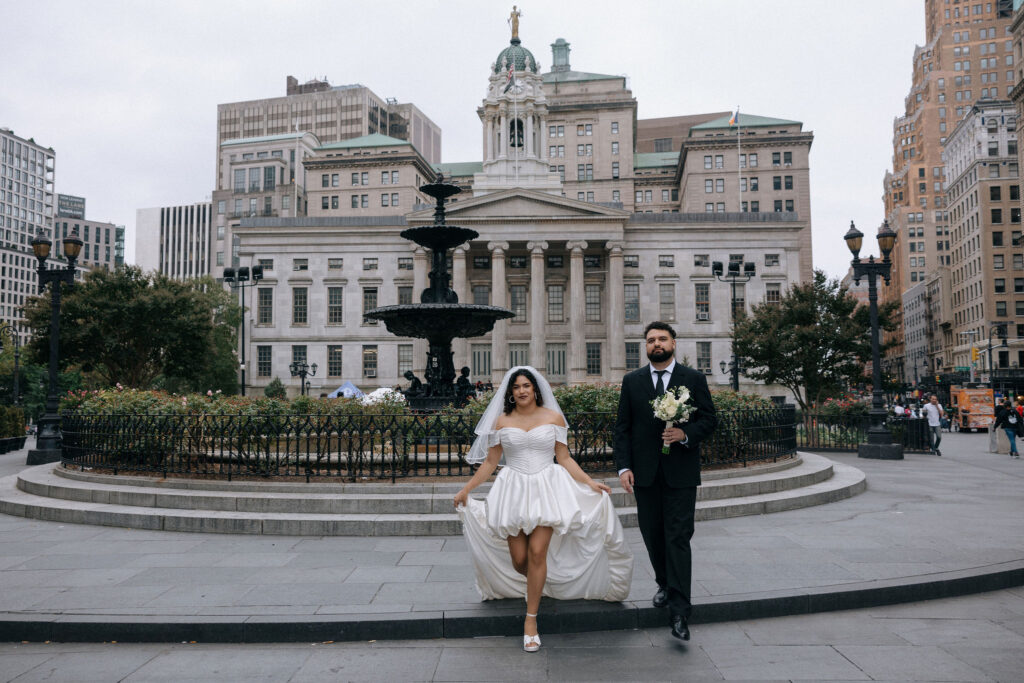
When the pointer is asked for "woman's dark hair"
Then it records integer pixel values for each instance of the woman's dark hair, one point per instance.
(658, 325)
(510, 402)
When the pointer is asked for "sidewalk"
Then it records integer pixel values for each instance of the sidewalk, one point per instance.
(927, 527)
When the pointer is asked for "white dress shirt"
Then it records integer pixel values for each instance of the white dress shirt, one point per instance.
(666, 376)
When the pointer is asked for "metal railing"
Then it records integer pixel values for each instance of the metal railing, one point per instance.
(844, 432)
(365, 446)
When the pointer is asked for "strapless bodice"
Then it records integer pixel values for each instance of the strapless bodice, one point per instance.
(530, 451)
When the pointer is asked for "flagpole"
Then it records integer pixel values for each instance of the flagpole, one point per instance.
(739, 170)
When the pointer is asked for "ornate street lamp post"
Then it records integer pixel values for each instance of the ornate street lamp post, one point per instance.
(238, 278)
(16, 341)
(300, 369)
(733, 276)
(48, 441)
(879, 444)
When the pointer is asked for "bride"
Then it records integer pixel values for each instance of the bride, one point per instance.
(545, 526)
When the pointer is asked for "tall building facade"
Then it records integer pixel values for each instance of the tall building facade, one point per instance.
(174, 240)
(27, 207)
(967, 56)
(987, 271)
(583, 237)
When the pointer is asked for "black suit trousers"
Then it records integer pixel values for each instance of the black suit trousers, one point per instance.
(665, 516)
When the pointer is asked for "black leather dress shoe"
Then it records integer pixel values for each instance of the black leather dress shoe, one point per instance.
(660, 598)
(680, 629)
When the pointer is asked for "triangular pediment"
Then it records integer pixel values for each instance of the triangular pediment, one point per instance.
(520, 204)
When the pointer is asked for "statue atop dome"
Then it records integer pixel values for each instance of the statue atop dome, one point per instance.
(513, 21)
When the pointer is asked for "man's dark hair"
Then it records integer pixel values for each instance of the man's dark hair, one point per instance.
(658, 325)
(510, 402)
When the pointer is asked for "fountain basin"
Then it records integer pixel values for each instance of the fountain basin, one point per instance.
(440, 323)
(439, 237)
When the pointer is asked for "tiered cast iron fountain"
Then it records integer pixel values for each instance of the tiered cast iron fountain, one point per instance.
(439, 317)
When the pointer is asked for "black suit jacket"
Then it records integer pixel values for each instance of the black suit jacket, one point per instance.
(638, 433)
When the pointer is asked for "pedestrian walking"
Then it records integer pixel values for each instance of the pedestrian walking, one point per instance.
(934, 412)
(1010, 421)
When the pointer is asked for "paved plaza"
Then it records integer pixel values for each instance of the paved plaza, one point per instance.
(927, 526)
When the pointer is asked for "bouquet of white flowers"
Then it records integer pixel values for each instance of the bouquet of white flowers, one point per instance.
(673, 407)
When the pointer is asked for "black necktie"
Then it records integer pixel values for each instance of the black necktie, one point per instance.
(659, 388)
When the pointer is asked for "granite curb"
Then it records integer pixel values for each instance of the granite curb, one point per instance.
(501, 618)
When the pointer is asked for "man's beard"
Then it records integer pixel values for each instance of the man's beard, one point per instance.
(659, 356)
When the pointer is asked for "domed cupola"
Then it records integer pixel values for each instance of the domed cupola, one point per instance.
(514, 115)
(517, 56)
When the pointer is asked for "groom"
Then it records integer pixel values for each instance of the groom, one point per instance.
(665, 486)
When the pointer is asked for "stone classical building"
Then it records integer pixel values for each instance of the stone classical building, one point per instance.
(582, 236)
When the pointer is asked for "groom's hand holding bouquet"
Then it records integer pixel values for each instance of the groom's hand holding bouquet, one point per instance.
(673, 408)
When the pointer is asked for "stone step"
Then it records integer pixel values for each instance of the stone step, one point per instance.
(845, 481)
(345, 499)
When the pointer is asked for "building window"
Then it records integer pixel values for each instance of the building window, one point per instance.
(772, 293)
(385, 199)
(997, 238)
(517, 302)
(355, 178)
(739, 300)
(355, 201)
(701, 260)
(517, 262)
(631, 261)
(593, 358)
(518, 354)
(263, 368)
(300, 304)
(719, 184)
(753, 160)
(265, 263)
(299, 264)
(702, 300)
(264, 306)
(334, 361)
(631, 298)
(707, 161)
(592, 303)
(555, 261)
(404, 296)
(771, 260)
(1001, 309)
(666, 261)
(370, 263)
(719, 161)
(335, 301)
(556, 360)
(591, 261)
(404, 359)
(556, 300)
(615, 148)
(667, 301)
(481, 361)
(632, 355)
(997, 216)
(482, 262)
(615, 170)
(370, 360)
(405, 263)
(1000, 285)
(704, 357)
(615, 127)
(482, 295)
(334, 264)
(369, 303)
(299, 354)
(776, 159)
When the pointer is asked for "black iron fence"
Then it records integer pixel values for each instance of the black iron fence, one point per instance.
(844, 432)
(365, 446)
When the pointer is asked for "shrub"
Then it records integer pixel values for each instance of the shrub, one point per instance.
(275, 389)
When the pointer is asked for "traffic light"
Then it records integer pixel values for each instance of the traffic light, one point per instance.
(974, 354)
(938, 380)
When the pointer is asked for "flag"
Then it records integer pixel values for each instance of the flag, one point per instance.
(735, 120)
(511, 80)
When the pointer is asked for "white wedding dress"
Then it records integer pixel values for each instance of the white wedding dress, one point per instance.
(588, 556)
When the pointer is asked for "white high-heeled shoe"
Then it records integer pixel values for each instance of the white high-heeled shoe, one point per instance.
(531, 643)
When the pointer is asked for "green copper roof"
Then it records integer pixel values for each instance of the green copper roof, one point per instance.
(265, 138)
(460, 169)
(516, 54)
(573, 76)
(746, 121)
(372, 140)
(655, 159)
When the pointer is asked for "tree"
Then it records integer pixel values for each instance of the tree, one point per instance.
(814, 342)
(143, 330)
(275, 389)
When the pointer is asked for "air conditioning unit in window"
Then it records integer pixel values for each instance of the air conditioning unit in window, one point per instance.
(371, 373)
(703, 316)
(707, 371)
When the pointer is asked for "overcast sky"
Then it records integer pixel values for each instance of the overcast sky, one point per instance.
(126, 92)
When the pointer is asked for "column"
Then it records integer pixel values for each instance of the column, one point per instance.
(577, 371)
(531, 151)
(503, 136)
(542, 139)
(499, 297)
(460, 345)
(538, 348)
(616, 342)
(490, 137)
(420, 266)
